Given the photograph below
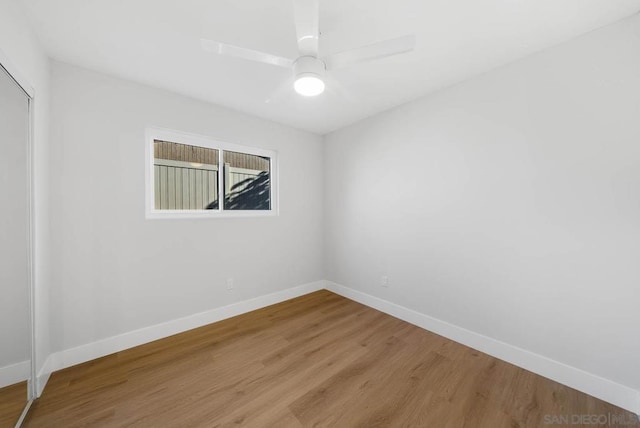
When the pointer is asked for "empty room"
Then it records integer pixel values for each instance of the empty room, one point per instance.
(320, 213)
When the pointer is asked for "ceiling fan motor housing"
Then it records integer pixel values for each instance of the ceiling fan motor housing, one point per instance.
(309, 66)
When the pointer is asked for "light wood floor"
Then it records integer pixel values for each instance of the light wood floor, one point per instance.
(13, 398)
(318, 360)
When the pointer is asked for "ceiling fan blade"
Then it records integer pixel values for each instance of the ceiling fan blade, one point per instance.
(374, 51)
(339, 91)
(306, 13)
(283, 93)
(248, 54)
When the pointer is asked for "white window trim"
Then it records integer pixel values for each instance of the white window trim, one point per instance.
(161, 134)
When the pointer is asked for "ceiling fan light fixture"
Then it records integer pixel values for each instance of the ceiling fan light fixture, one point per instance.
(309, 84)
(309, 72)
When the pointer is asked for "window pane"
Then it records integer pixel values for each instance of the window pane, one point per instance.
(247, 182)
(185, 177)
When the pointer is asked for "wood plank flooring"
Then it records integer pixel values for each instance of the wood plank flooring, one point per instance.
(319, 360)
(13, 398)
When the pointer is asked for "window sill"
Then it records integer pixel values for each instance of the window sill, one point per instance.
(180, 214)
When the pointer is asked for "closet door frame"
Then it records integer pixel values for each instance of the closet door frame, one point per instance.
(29, 91)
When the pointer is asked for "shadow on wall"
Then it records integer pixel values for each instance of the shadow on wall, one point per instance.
(249, 194)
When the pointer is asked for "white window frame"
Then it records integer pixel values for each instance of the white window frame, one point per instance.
(153, 134)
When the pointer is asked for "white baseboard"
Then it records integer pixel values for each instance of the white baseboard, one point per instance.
(14, 373)
(604, 389)
(110, 345)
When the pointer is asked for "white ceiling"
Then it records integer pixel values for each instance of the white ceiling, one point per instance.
(156, 42)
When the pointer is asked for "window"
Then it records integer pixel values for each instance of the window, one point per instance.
(186, 174)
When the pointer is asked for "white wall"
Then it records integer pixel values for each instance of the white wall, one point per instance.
(114, 271)
(508, 205)
(20, 46)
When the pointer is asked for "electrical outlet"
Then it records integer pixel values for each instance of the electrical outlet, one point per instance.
(384, 281)
(229, 283)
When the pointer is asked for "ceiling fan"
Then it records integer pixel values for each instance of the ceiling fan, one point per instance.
(309, 70)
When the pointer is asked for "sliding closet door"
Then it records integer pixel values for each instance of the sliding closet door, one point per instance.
(15, 329)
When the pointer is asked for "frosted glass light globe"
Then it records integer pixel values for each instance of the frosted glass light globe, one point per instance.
(309, 85)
